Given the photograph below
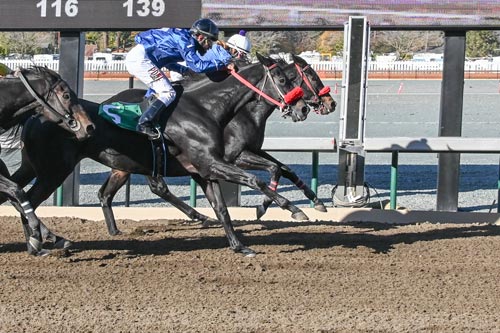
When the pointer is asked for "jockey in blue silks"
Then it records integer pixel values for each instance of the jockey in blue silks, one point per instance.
(165, 48)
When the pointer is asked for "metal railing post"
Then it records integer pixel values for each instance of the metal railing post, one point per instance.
(394, 179)
(314, 178)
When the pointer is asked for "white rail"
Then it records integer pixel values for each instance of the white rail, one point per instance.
(323, 66)
(441, 144)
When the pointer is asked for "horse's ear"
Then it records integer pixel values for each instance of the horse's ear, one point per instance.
(18, 70)
(259, 56)
(298, 60)
(266, 61)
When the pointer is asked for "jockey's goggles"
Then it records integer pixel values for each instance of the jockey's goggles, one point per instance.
(208, 40)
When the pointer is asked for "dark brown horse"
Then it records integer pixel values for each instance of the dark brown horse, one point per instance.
(194, 133)
(37, 90)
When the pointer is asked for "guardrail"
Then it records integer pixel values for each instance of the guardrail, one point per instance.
(396, 145)
(331, 69)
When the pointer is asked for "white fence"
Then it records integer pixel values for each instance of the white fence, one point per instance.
(323, 66)
(90, 65)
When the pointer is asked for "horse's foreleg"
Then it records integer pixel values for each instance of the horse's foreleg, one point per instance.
(160, 188)
(214, 195)
(43, 187)
(223, 171)
(294, 178)
(106, 194)
(31, 223)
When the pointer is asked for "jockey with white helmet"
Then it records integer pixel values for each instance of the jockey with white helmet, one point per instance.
(239, 45)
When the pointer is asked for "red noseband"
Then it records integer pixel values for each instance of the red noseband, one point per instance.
(294, 95)
(325, 90)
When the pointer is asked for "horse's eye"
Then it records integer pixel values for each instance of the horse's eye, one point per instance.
(66, 96)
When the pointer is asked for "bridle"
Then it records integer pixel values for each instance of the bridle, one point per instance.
(286, 99)
(67, 118)
(317, 94)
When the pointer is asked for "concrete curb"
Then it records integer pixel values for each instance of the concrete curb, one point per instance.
(274, 214)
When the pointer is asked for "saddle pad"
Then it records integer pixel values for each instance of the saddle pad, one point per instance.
(124, 115)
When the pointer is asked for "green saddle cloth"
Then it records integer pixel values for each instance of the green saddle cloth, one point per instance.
(124, 115)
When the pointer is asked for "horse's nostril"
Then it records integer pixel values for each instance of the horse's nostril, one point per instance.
(305, 110)
(90, 129)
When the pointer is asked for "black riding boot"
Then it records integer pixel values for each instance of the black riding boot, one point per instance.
(147, 122)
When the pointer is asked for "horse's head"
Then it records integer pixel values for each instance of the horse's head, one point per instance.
(316, 93)
(59, 103)
(278, 85)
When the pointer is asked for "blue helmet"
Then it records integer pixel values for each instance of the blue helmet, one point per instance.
(205, 27)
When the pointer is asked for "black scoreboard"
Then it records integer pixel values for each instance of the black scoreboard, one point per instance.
(88, 15)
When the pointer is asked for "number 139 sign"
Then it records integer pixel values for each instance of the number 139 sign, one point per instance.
(69, 8)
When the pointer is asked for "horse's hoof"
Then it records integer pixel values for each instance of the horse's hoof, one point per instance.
(261, 210)
(115, 233)
(43, 253)
(34, 246)
(209, 222)
(62, 243)
(320, 207)
(300, 216)
(247, 252)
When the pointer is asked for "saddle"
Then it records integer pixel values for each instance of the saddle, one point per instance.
(126, 115)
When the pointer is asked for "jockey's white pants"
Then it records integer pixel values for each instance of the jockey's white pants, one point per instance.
(139, 65)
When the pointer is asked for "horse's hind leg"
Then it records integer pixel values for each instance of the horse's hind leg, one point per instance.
(160, 188)
(106, 194)
(214, 195)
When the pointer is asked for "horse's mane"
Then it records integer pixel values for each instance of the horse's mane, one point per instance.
(39, 71)
(280, 61)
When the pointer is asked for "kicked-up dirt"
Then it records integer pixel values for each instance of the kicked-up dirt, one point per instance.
(166, 276)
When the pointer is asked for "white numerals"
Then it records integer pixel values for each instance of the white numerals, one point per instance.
(144, 8)
(70, 8)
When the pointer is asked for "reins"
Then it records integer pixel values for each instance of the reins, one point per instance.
(67, 116)
(290, 97)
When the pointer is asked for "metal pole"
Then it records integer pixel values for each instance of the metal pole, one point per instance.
(127, 185)
(59, 196)
(394, 179)
(71, 69)
(314, 178)
(450, 118)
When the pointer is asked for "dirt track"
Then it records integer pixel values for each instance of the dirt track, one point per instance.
(163, 276)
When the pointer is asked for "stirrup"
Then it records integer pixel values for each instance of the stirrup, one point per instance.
(147, 129)
(156, 136)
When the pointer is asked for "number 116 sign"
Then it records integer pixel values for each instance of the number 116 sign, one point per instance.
(105, 15)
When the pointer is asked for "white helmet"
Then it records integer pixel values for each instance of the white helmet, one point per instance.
(240, 43)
